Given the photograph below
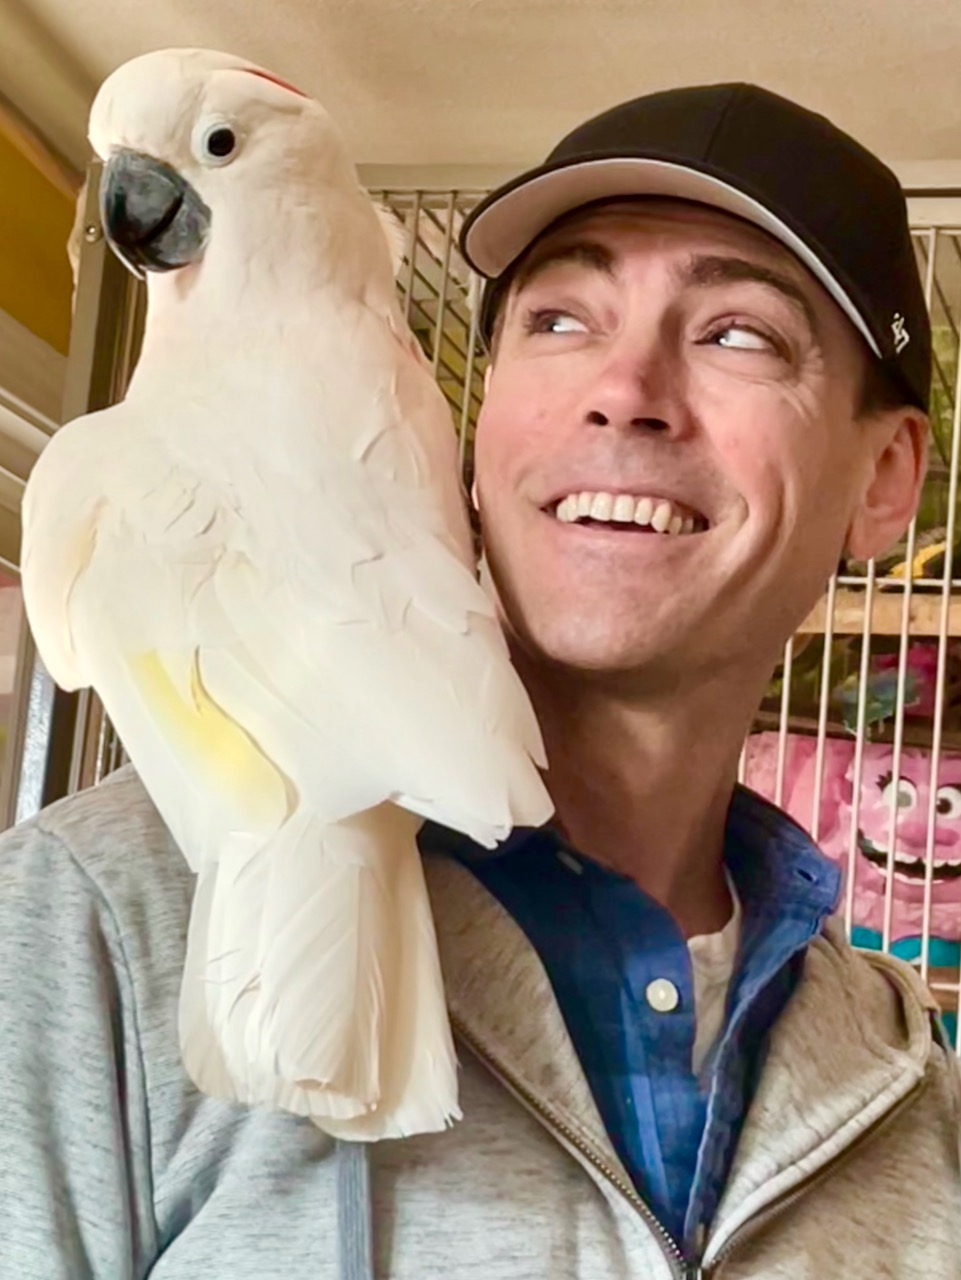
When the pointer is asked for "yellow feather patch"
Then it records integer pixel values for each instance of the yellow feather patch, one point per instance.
(211, 743)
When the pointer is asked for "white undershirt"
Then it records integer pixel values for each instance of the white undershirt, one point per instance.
(713, 956)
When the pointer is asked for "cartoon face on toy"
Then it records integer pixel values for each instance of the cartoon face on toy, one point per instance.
(911, 792)
(878, 786)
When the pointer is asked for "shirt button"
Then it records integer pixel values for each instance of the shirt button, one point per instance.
(662, 995)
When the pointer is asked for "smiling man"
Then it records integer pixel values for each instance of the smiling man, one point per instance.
(709, 379)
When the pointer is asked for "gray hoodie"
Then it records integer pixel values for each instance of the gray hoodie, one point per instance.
(113, 1167)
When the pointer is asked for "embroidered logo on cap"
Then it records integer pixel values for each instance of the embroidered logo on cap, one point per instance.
(901, 335)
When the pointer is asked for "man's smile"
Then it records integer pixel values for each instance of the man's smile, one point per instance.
(647, 513)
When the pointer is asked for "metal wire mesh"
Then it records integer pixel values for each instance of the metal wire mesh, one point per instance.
(439, 294)
(859, 736)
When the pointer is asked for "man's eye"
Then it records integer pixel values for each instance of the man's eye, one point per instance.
(742, 338)
(552, 322)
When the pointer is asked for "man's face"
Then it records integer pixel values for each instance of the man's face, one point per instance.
(661, 352)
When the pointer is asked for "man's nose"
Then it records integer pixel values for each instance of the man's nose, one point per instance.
(634, 390)
(597, 418)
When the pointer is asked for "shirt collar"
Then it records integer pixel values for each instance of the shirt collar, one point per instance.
(774, 863)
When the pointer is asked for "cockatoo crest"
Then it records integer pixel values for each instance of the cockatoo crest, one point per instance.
(164, 103)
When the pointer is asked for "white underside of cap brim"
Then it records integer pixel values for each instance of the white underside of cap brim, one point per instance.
(504, 231)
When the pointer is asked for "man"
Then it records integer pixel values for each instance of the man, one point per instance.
(709, 378)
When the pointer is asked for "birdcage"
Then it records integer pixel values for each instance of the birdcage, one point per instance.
(859, 734)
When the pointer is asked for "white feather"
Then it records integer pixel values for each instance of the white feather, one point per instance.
(395, 233)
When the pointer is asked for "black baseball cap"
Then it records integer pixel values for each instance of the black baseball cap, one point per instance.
(751, 153)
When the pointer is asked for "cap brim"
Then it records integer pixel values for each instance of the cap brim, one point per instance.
(503, 225)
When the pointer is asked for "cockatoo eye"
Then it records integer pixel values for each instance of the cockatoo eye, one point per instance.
(217, 144)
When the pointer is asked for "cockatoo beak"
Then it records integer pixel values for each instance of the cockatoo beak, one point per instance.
(152, 217)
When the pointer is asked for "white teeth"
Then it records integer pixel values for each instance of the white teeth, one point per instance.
(661, 517)
(624, 508)
(908, 859)
(645, 509)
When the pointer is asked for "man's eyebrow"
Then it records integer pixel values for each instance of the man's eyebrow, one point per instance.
(586, 253)
(710, 270)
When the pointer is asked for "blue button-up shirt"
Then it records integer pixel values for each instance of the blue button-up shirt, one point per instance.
(602, 941)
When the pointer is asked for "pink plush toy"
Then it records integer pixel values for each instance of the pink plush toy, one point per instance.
(797, 787)
(873, 824)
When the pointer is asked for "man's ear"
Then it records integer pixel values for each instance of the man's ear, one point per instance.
(893, 483)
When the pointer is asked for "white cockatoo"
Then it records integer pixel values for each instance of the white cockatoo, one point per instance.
(261, 562)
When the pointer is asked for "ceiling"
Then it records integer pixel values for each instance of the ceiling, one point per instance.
(495, 82)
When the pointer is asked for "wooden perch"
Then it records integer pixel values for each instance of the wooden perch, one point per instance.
(924, 614)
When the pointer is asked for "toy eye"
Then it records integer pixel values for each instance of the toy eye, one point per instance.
(949, 802)
(907, 794)
(217, 144)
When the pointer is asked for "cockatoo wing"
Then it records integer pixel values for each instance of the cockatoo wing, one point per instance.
(98, 622)
(57, 546)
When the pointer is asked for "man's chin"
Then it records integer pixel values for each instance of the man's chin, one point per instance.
(598, 655)
(612, 633)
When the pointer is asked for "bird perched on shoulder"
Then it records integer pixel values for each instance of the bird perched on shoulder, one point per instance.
(261, 561)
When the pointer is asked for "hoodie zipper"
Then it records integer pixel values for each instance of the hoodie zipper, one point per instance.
(681, 1267)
